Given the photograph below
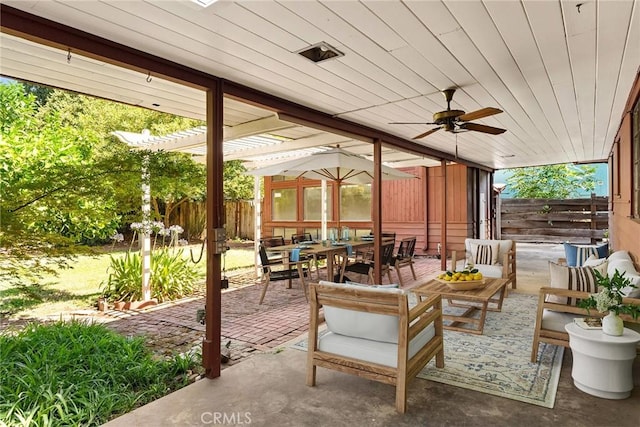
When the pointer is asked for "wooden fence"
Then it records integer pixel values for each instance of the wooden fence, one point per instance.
(192, 216)
(554, 220)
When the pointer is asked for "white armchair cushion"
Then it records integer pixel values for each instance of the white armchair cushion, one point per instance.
(359, 324)
(384, 353)
(490, 270)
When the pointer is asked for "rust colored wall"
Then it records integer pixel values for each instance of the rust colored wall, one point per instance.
(404, 207)
(624, 231)
(458, 224)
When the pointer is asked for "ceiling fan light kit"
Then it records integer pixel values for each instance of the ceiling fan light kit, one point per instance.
(457, 120)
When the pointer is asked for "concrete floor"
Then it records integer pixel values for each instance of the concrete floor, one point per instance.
(269, 390)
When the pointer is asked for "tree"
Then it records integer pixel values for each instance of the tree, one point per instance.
(175, 177)
(51, 187)
(237, 185)
(552, 181)
(64, 179)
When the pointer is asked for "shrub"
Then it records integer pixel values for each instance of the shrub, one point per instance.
(125, 278)
(172, 276)
(80, 374)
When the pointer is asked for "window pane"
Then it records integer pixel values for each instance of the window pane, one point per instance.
(355, 203)
(284, 204)
(312, 204)
(280, 178)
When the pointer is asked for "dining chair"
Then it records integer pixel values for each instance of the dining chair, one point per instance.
(270, 242)
(404, 257)
(306, 237)
(279, 271)
(303, 237)
(367, 254)
(367, 266)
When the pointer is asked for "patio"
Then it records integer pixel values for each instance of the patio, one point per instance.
(268, 388)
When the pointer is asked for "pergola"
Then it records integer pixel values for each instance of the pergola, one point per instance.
(560, 70)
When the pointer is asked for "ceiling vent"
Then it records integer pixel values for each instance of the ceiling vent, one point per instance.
(320, 52)
(204, 3)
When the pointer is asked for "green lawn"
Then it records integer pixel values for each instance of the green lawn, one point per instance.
(78, 287)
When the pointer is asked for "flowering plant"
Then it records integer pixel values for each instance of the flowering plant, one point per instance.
(171, 275)
(610, 297)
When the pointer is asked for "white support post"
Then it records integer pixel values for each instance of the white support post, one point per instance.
(145, 237)
(323, 203)
(257, 220)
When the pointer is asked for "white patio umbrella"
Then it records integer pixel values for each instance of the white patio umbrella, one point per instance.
(335, 165)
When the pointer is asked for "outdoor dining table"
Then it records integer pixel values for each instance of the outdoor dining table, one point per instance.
(328, 248)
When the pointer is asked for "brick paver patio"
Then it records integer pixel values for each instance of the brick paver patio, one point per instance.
(172, 327)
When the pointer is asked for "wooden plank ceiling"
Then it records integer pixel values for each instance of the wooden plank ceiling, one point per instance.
(560, 70)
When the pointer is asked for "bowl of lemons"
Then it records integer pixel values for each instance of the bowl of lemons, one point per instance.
(464, 280)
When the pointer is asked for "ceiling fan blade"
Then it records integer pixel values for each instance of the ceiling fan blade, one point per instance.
(478, 114)
(482, 128)
(412, 123)
(429, 132)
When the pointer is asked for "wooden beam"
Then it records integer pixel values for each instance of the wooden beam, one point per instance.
(215, 216)
(376, 198)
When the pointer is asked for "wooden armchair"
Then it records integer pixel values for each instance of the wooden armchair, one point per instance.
(373, 334)
(502, 266)
(552, 316)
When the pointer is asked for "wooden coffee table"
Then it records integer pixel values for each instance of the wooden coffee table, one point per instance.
(473, 300)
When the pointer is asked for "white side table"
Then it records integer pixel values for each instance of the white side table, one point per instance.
(602, 364)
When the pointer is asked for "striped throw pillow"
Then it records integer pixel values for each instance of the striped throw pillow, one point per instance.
(486, 254)
(572, 278)
(577, 254)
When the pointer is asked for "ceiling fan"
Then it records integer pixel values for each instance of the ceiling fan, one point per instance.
(457, 120)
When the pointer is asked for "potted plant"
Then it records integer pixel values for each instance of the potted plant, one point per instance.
(609, 299)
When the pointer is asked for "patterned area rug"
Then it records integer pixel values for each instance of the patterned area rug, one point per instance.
(497, 362)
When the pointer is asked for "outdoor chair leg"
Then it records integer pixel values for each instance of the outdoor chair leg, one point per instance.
(304, 285)
(264, 289)
(399, 276)
(412, 270)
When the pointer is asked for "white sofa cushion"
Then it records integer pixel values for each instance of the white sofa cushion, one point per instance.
(622, 262)
(619, 255)
(599, 264)
(360, 324)
(555, 320)
(383, 353)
